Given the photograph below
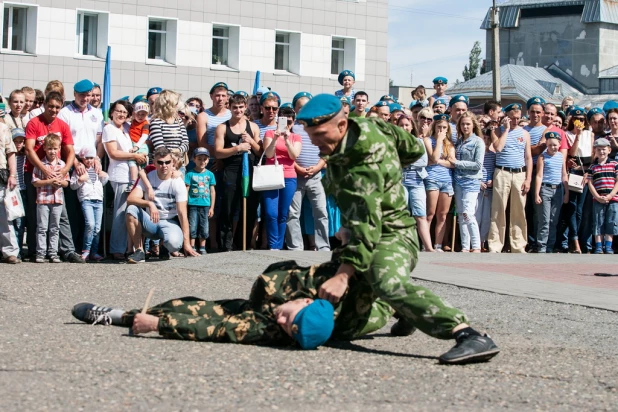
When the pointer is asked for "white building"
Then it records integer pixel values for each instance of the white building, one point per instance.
(188, 45)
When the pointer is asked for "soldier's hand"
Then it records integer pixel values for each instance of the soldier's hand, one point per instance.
(333, 289)
(143, 323)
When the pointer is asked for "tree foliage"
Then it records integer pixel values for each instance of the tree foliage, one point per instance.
(474, 62)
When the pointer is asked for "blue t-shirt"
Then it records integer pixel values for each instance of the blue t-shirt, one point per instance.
(199, 187)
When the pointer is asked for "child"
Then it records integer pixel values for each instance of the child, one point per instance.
(603, 184)
(19, 224)
(201, 186)
(440, 85)
(89, 188)
(14, 118)
(138, 132)
(551, 191)
(49, 199)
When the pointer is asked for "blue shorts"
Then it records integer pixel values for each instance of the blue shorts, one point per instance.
(443, 187)
(417, 200)
(605, 219)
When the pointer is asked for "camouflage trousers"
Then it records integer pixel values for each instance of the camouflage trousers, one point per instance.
(389, 277)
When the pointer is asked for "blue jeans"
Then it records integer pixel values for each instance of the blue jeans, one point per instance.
(19, 224)
(198, 221)
(93, 215)
(580, 218)
(277, 207)
(466, 216)
(168, 230)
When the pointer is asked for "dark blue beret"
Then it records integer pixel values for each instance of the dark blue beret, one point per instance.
(459, 98)
(440, 80)
(344, 74)
(552, 135)
(153, 90)
(593, 111)
(535, 100)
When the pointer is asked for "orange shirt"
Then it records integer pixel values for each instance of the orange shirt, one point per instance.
(138, 129)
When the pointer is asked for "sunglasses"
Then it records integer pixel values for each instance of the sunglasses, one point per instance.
(271, 108)
(163, 162)
(423, 118)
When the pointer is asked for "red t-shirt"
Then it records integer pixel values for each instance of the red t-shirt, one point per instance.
(283, 157)
(37, 129)
(564, 145)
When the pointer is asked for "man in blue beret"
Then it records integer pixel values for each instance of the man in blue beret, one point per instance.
(438, 106)
(152, 95)
(512, 180)
(458, 105)
(365, 164)
(86, 124)
(440, 84)
(347, 79)
(361, 99)
(282, 309)
(396, 112)
(384, 110)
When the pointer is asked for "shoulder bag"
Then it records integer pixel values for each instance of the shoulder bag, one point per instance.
(268, 177)
(577, 182)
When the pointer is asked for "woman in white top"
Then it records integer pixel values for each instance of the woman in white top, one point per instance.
(118, 145)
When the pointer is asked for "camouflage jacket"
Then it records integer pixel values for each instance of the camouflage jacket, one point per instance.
(364, 176)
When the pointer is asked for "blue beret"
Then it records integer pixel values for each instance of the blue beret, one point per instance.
(153, 90)
(243, 94)
(269, 95)
(318, 110)
(416, 103)
(438, 101)
(440, 80)
(524, 117)
(442, 116)
(344, 74)
(512, 106)
(459, 98)
(262, 90)
(552, 135)
(96, 85)
(140, 98)
(576, 111)
(382, 103)
(611, 104)
(125, 98)
(314, 324)
(395, 107)
(535, 100)
(231, 92)
(300, 95)
(287, 106)
(346, 100)
(387, 97)
(218, 84)
(593, 111)
(83, 86)
(201, 151)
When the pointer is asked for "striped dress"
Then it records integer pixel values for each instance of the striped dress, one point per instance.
(513, 153)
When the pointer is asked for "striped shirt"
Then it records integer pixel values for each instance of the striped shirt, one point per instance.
(48, 194)
(310, 154)
(436, 172)
(21, 161)
(489, 165)
(413, 174)
(552, 168)
(603, 177)
(513, 153)
(446, 99)
(172, 136)
(213, 122)
(536, 133)
(453, 133)
(264, 129)
(339, 93)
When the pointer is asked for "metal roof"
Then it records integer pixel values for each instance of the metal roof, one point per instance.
(611, 72)
(523, 82)
(595, 11)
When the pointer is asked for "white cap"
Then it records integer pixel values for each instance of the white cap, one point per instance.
(141, 107)
(87, 151)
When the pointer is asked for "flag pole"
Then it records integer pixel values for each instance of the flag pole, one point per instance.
(107, 85)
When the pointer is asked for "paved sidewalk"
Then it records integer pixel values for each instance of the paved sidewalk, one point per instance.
(561, 278)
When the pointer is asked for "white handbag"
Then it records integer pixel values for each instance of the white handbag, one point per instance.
(268, 177)
(577, 182)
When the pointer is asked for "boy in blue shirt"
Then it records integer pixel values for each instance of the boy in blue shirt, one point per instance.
(201, 186)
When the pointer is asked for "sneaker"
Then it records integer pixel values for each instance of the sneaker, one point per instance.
(85, 255)
(609, 251)
(402, 328)
(469, 349)
(54, 259)
(598, 251)
(73, 257)
(438, 249)
(202, 252)
(137, 257)
(164, 254)
(89, 313)
(40, 259)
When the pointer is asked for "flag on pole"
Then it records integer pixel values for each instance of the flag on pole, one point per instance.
(245, 175)
(107, 84)
(256, 85)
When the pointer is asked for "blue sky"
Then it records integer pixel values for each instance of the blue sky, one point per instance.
(433, 38)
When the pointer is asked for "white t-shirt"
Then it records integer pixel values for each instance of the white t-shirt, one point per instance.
(118, 170)
(84, 125)
(167, 194)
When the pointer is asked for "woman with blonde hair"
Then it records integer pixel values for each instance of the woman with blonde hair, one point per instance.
(468, 172)
(424, 121)
(166, 127)
(439, 183)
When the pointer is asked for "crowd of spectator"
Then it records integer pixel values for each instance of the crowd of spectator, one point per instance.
(174, 169)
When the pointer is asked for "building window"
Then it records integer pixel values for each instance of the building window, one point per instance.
(19, 28)
(220, 45)
(162, 37)
(282, 51)
(87, 30)
(337, 55)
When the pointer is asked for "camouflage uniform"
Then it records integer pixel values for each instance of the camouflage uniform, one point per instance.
(364, 176)
(253, 321)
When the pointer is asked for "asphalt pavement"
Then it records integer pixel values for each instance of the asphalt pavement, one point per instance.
(555, 355)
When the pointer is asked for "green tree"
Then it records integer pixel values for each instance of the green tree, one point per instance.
(474, 62)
